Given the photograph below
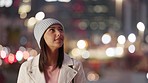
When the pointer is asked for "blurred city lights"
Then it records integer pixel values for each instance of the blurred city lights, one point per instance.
(96, 39)
(21, 48)
(83, 25)
(6, 3)
(11, 58)
(24, 8)
(3, 54)
(75, 52)
(33, 52)
(100, 9)
(131, 48)
(2, 3)
(26, 55)
(140, 26)
(23, 15)
(40, 15)
(106, 38)
(94, 25)
(31, 22)
(85, 54)
(23, 40)
(19, 55)
(132, 37)
(119, 51)
(82, 44)
(110, 52)
(115, 52)
(121, 39)
(6, 49)
(92, 76)
(102, 25)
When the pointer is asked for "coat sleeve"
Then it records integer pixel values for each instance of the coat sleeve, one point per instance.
(23, 75)
(80, 77)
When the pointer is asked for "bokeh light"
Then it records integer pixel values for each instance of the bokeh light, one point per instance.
(23, 15)
(33, 52)
(22, 48)
(76, 52)
(82, 44)
(110, 52)
(92, 76)
(11, 58)
(19, 55)
(23, 40)
(31, 22)
(40, 15)
(83, 25)
(106, 38)
(3, 54)
(140, 26)
(132, 37)
(94, 25)
(119, 51)
(121, 39)
(24, 8)
(131, 48)
(85, 54)
(26, 55)
(5, 3)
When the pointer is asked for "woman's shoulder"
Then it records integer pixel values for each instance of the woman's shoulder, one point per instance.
(71, 60)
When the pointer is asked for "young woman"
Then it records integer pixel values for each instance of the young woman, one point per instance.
(52, 65)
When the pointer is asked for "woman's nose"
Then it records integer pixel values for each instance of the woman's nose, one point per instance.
(58, 33)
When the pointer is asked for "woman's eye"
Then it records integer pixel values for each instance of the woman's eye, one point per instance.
(52, 30)
(61, 29)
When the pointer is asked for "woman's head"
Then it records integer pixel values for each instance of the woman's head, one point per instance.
(54, 36)
(43, 26)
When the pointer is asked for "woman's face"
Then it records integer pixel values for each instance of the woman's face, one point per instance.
(54, 36)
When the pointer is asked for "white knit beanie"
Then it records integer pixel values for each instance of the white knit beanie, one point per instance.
(42, 26)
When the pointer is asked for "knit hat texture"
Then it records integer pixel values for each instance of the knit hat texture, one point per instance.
(42, 26)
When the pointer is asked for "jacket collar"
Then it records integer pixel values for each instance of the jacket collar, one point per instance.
(38, 77)
(67, 60)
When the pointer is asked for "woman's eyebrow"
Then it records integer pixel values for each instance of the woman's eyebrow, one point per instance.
(51, 27)
(54, 27)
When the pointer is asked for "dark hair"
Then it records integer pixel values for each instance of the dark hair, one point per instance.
(43, 55)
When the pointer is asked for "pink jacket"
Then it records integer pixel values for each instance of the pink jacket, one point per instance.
(29, 72)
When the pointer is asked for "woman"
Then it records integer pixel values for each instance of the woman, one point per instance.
(52, 65)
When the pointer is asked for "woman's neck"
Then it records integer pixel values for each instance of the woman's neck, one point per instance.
(52, 57)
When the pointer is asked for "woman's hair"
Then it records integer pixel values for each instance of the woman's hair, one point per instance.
(43, 55)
